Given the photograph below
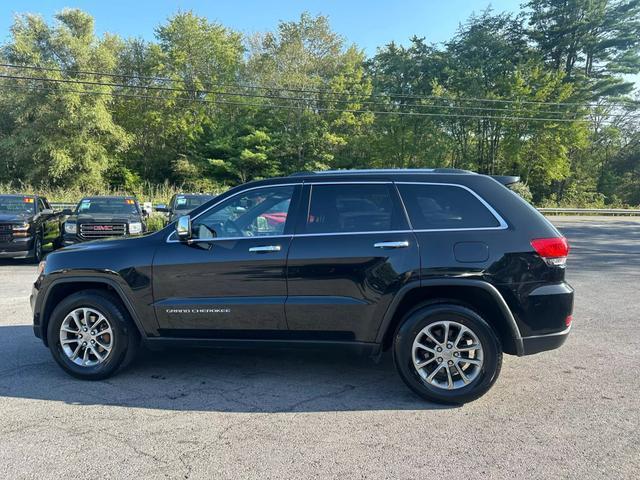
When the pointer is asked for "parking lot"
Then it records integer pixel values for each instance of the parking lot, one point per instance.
(569, 413)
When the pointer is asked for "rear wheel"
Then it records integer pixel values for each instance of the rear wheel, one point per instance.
(90, 335)
(447, 353)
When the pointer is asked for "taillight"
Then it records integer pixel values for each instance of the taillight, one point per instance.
(554, 250)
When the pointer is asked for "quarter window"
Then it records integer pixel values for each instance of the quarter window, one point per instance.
(353, 208)
(255, 213)
(444, 207)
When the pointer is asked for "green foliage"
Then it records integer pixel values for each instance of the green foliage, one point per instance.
(55, 134)
(523, 190)
(201, 107)
(155, 222)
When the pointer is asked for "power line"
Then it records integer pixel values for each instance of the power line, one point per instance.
(303, 99)
(298, 107)
(250, 95)
(316, 91)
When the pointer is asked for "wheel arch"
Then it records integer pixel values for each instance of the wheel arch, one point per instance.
(477, 295)
(63, 287)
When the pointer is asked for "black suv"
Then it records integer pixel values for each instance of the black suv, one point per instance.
(27, 224)
(183, 203)
(447, 269)
(104, 217)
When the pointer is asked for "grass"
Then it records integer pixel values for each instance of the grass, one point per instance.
(144, 193)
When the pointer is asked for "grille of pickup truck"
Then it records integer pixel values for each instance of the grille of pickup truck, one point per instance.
(102, 230)
(6, 230)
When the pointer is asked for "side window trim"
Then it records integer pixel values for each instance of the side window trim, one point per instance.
(502, 224)
(171, 237)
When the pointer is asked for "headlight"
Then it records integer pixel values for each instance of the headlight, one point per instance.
(22, 227)
(41, 266)
(70, 227)
(135, 227)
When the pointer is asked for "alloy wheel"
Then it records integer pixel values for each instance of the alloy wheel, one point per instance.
(447, 355)
(86, 337)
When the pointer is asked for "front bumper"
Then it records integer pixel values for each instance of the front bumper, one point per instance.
(17, 248)
(33, 300)
(68, 239)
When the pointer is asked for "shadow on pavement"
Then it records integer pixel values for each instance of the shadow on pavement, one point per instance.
(212, 380)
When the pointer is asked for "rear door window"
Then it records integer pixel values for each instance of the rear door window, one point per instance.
(445, 207)
(352, 208)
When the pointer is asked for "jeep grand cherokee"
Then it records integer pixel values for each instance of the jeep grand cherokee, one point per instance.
(446, 269)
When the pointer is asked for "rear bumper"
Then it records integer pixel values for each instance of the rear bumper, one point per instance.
(542, 343)
(542, 313)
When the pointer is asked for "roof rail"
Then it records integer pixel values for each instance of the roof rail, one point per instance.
(380, 170)
(505, 180)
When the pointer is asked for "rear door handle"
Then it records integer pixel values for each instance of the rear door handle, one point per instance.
(265, 249)
(400, 244)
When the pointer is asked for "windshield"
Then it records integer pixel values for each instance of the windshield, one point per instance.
(17, 205)
(189, 203)
(120, 206)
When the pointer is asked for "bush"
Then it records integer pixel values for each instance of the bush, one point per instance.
(155, 222)
(523, 190)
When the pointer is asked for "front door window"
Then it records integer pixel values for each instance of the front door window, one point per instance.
(261, 212)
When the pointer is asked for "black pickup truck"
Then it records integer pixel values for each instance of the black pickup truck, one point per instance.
(104, 217)
(182, 204)
(27, 224)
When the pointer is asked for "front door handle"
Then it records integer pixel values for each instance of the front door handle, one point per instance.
(265, 249)
(400, 244)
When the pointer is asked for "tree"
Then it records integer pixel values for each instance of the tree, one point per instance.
(591, 41)
(324, 77)
(199, 57)
(57, 133)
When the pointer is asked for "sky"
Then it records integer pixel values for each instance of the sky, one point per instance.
(368, 24)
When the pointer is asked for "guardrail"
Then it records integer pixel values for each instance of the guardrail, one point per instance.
(62, 206)
(591, 211)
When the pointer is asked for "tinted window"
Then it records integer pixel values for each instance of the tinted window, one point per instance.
(107, 205)
(256, 213)
(444, 206)
(353, 208)
(16, 205)
(189, 202)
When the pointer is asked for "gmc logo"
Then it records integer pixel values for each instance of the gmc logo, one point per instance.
(103, 228)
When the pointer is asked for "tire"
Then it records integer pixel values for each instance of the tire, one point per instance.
(123, 337)
(37, 248)
(409, 349)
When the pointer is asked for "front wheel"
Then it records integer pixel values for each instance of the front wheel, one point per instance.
(447, 354)
(90, 335)
(37, 248)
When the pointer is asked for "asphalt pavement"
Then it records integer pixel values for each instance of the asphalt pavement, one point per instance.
(569, 413)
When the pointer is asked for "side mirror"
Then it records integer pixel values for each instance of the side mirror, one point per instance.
(161, 208)
(67, 211)
(183, 228)
(46, 211)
